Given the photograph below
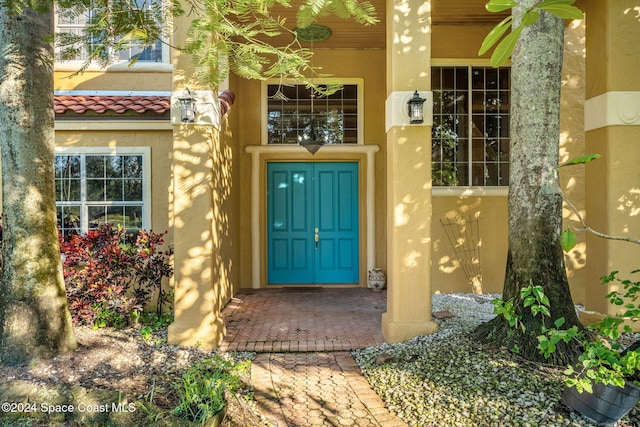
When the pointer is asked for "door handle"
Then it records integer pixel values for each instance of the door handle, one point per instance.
(317, 237)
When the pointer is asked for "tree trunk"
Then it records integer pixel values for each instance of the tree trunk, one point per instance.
(34, 316)
(535, 256)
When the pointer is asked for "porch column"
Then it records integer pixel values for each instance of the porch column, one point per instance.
(199, 295)
(408, 173)
(612, 125)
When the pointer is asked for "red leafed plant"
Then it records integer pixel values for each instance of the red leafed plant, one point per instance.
(111, 275)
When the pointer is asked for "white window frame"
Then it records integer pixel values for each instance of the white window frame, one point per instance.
(465, 188)
(118, 64)
(145, 152)
(347, 81)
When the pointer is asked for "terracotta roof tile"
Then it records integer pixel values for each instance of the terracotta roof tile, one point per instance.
(101, 104)
(80, 104)
(227, 98)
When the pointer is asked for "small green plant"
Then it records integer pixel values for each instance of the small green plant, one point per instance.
(604, 359)
(201, 389)
(507, 310)
(146, 332)
(534, 298)
(154, 321)
(151, 323)
(106, 317)
(550, 337)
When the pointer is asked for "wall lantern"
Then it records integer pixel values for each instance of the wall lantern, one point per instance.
(187, 106)
(414, 109)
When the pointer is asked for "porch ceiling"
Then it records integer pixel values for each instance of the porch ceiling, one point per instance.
(348, 34)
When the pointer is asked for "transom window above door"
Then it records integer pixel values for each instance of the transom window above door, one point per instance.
(296, 113)
(470, 134)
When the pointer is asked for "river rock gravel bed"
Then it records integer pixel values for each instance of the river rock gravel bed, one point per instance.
(447, 379)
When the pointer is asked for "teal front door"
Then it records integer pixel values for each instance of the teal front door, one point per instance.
(312, 223)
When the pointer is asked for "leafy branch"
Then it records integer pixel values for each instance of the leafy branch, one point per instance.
(517, 22)
(224, 36)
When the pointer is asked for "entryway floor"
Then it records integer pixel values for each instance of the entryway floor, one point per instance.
(304, 374)
(304, 319)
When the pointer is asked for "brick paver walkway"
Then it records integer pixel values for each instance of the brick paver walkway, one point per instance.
(304, 374)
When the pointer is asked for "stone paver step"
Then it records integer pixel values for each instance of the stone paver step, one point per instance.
(304, 374)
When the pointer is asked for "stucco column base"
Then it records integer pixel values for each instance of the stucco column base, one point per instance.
(206, 335)
(396, 332)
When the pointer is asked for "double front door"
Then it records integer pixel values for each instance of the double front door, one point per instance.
(312, 223)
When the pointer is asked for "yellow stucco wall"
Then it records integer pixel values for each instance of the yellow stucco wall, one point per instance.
(572, 145)
(204, 214)
(204, 243)
(120, 77)
(613, 50)
(613, 129)
(454, 41)
(486, 215)
(613, 202)
(409, 206)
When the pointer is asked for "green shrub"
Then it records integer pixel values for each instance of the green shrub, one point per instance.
(605, 359)
(111, 276)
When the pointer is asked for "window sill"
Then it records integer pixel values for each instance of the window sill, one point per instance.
(115, 124)
(118, 67)
(470, 191)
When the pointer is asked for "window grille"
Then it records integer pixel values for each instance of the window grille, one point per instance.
(290, 120)
(470, 134)
(92, 189)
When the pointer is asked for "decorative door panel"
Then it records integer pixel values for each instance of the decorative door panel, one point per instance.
(312, 217)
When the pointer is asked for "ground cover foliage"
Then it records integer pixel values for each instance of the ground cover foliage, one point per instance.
(450, 379)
